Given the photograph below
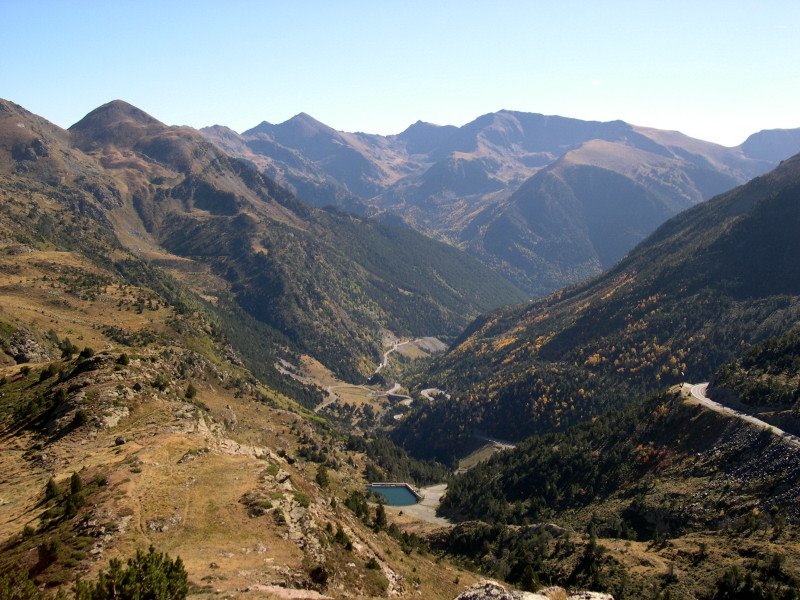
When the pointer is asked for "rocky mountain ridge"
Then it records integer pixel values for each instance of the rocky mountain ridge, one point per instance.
(527, 194)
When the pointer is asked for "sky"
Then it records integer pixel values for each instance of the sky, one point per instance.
(714, 70)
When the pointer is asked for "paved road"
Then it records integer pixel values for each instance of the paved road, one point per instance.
(698, 392)
(386, 356)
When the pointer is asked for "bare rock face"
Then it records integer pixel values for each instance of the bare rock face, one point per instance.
(486, 590)
(491, 590)
(24, 348)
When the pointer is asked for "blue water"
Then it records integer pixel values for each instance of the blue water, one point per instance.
(394, 496)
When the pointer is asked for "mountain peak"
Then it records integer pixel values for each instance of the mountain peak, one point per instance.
(421, 126)
(306, 125)
(302, 125)
(423, 137)
(112, 113)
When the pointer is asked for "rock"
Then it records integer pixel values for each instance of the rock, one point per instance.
(486, 590)
(24, 348)
(120, 439)
(113, 416)
(491, 590)
(39, 148)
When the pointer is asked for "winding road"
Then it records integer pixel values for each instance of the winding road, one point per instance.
(697, 392)
(386, 354)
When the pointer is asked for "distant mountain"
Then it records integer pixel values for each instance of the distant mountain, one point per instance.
(330, 283)
(584, 212)
(424, 138)
(695, 294)
(772, 144)
(545, 200)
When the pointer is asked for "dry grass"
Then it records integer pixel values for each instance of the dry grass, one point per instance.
(189, 508)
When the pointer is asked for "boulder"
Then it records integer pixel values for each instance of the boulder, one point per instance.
(491, 590)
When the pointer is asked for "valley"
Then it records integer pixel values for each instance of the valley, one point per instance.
(194, 358)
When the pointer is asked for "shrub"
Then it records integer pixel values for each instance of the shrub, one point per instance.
(154, 576)
(16, 585)
(80, 418)
(87, 352)
(322, 476)
(319, 576)
(191, 391)
(75, 484)
(47, 372)
(342, 538)
(123, 360)
(68, 349)
(160, 382)
(51, 490)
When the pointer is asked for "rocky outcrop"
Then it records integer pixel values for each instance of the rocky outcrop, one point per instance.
(491, 590)
(23, 347)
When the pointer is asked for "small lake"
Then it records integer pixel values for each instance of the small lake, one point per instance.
(394, 495)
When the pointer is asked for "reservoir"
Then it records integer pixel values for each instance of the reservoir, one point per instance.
(397, 494)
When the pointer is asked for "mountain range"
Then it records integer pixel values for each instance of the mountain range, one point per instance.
(545, 200)
(622, 448)
(236, 237)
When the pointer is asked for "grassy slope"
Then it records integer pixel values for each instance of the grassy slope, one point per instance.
(180, 479)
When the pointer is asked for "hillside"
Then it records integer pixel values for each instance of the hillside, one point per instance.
(582, 214)
(328, 283)
(765, 382)
(772, 144)
(127, 421)
(545, 200)
(694, 295)
(680, 501)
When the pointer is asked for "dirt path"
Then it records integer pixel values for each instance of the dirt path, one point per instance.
(697, 392)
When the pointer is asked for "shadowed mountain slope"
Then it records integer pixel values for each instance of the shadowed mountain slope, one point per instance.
(694, 294)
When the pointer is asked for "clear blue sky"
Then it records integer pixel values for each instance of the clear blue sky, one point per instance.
(715, 70)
